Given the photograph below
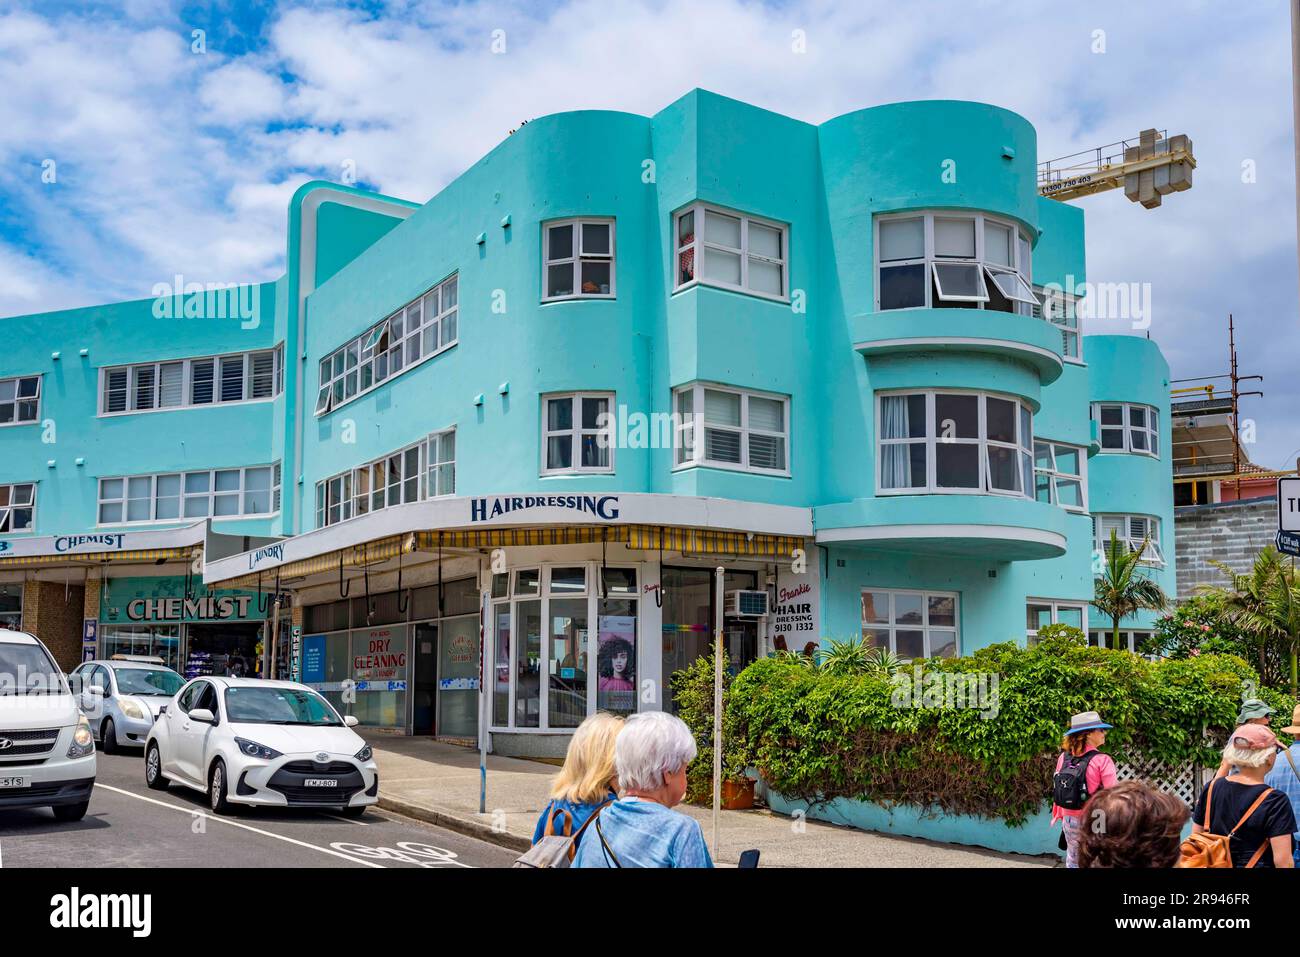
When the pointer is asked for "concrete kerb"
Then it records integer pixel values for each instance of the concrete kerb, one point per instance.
(452, 822)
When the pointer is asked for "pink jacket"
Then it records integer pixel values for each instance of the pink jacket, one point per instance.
(1101, 774)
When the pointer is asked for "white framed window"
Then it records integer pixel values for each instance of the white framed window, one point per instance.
(725, 427)
(18, 507)
(578, 259)
(440, 459)
(911, 624)
(1041, 612)
(247, 492)
(186, 383)
(1131, 531)
(965, 442)
(423, 328)
(953, 259)
(563, 644)
(425, 469)
(576, 433)
(1129, 639)
(1061, 309)
(20, 400)
(1060, 475)
(731, 250)
(1128, 427)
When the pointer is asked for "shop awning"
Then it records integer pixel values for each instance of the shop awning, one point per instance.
(95, 558)
(354, 556)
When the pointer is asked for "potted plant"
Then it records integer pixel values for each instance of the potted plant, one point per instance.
(693, 691)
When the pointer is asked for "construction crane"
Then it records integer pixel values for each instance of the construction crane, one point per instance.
(1148, 168)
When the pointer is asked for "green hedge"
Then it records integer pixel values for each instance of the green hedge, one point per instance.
(815, 736)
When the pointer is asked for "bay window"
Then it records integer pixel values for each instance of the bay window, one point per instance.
(578, 259)
(731, 250)
(725, 427)
(954, 442)
(955, 260)
(911, 624)
(1059, 475)
(1128, 427)
(576, 433)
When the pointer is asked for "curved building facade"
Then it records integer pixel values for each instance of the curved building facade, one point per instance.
(617, 354)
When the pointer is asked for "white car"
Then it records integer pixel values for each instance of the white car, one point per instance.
(269, 743)
(47, 752)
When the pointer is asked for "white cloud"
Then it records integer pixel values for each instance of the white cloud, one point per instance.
(167, 165)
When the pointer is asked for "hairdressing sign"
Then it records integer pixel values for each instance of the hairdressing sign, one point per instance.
(796, 614)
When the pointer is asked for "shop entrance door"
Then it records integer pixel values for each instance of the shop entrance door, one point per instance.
(741, 644)
(226, 650)
(425, 674)
(458, 680)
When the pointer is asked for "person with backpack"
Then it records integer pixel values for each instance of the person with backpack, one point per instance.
(586, 783)
(1239, 821)
(1285, 776)
(1081, 771)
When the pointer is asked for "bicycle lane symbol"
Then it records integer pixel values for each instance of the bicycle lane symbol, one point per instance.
(408, 852)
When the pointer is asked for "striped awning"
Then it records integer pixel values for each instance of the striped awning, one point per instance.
(689, 541)
(96, 558)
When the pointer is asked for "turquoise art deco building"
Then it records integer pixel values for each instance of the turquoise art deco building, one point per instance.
(616, 354)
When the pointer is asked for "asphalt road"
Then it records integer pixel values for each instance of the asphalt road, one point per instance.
(130, 826)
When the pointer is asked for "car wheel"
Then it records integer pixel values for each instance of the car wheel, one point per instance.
(153, 775)
(354, 812)
(70, 812)
(217, 789)
(108, 737)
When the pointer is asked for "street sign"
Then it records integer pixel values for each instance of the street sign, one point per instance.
(1288, 543)
(1288, 504)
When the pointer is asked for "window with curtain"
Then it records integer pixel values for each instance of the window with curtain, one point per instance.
(732, 250)
(954, 442)
(732, 428)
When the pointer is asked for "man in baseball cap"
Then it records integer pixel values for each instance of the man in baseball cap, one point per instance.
(1285, 775)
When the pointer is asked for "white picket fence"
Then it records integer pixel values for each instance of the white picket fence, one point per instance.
(1184, 781)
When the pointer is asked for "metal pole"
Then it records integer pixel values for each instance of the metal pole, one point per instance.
(485, 608)
(719, 577)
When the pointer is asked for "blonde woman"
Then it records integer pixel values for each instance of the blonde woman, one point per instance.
(587, 781)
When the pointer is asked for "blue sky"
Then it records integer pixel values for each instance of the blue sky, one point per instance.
(174, 161)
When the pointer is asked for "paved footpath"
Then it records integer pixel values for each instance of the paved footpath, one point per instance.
(130, 826)
(439, 782)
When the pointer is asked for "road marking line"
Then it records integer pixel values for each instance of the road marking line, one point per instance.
(247, 827)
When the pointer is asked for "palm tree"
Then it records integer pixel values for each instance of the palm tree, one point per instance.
(1266, 604)
(1123, 589)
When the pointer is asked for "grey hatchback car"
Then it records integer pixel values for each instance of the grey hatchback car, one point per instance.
(122, 699)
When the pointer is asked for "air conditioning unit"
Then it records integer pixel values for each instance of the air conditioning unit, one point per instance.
(747, 604)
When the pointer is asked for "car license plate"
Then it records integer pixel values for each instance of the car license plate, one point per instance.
(13, 782)
(320, 783)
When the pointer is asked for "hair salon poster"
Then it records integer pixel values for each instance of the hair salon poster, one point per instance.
(796, 616)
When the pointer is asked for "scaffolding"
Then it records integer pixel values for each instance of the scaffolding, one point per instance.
(1206, 426)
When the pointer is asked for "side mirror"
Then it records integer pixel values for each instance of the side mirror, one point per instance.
(203, 715)
(351, 721)
(96, 691)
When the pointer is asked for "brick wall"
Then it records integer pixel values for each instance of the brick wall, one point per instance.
(1230, 532)
(52, 612)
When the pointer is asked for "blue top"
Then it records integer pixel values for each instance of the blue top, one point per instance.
(645, 834)
(579, 812)
(1285, 780)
